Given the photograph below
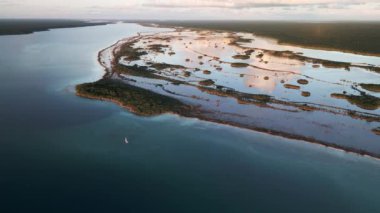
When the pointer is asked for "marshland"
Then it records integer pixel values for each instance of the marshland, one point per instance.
(245, 80)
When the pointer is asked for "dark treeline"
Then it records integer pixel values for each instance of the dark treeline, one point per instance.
(26, 26)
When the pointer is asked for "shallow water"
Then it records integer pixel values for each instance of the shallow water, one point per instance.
(209, 55)
(62, 153)
(272, 44)
(266, 75)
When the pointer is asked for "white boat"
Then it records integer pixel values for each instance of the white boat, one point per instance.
(126, 140)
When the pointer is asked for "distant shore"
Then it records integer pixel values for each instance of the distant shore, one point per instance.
(350, 37)
(27, 26)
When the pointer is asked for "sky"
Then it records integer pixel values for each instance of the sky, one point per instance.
(193, 9)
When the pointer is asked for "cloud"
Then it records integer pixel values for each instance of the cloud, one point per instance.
(7, 3)
(215, 5)
(193, 9)
(246, 4)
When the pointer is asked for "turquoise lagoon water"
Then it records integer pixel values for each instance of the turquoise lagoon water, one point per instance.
(62, 153)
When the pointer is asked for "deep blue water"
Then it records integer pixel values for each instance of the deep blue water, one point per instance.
(62, 153)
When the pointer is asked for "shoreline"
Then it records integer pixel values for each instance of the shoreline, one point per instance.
(282, 41)
(240, 126)
(9, 27)
(197, 115)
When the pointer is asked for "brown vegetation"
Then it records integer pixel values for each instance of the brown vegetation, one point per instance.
(207, 82)
(239, 65)
(291, 86)
(303, 81)
(371, 87)
(363, 101)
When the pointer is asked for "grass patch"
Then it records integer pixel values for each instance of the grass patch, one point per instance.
(241, 57)
(133, 70)
(129, 52)
(305, 94)
(291, 86)
(302, 81)
(371, 87)
(160, 48)
(162, 66)
(207, 82)
(367, 102)
(239, 65)
(376, 131)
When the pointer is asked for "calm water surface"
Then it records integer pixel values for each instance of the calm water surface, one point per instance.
(61, 153)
